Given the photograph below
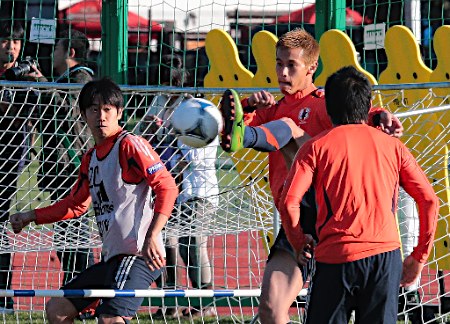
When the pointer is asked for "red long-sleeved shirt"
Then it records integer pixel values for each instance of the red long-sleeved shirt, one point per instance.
(356, 171)
(135, 165)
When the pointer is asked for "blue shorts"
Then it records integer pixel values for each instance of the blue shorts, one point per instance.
(369, 286)
(123, 272)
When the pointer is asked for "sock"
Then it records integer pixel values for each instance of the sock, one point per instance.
(278, 131)
(249, 136)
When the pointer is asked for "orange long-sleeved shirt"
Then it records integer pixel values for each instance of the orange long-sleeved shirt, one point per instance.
(356, 171)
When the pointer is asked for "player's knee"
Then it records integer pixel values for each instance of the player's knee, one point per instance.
(265, 309)
(58, 312)
(296, 131)
(270, 313)
(271, 308)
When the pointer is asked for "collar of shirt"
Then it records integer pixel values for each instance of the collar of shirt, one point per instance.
(65, 76)
(105, 147)
(300, 94)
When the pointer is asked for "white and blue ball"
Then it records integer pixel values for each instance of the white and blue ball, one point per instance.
(197, 122)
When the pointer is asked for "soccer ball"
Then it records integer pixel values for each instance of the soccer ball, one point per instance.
(197, 122)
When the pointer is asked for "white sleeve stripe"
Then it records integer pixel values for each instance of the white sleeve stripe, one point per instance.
(145, 147)
(141, 147)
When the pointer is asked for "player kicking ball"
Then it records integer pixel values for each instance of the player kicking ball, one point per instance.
(280, 128)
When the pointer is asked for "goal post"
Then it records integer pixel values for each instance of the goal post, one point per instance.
(236, 248)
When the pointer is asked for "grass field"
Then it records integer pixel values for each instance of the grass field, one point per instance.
(143, 319)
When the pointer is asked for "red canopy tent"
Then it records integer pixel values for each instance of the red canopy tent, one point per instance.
(85, 17)
(308, 15)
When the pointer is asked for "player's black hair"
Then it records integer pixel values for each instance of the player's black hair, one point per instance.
(108, 91)
(348, 96)
(77, 40)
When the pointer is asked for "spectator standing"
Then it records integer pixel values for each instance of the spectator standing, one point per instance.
(15, 141)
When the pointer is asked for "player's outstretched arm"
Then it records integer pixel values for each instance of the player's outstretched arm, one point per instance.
(411, 271)
(20, 220)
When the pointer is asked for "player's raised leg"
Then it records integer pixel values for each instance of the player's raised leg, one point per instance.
(268, 137)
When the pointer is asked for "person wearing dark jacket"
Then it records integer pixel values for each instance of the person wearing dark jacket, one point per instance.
(70, 57)
(14, 143)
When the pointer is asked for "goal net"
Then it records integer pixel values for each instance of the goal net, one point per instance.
(42, 139)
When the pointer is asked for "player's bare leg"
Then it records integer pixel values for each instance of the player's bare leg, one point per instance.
(282, 279)
(268, 137)
(281, 284)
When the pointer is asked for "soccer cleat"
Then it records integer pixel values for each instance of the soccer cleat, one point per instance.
(232, 137)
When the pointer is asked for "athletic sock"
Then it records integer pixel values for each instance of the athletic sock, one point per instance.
(249, 136)
(256, 137)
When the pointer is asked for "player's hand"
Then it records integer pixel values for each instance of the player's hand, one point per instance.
(306, 253)
(20, 220)
(261, 99)
(152, 254)
(411, 271)
(390, 124)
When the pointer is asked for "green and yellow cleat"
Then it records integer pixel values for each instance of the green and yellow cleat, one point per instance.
(232, 137)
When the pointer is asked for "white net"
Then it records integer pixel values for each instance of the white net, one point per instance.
(40, 150)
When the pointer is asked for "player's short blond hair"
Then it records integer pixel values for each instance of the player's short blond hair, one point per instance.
(300, 38)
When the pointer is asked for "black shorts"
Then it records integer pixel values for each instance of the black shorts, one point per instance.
(282, 244)
(369, 286)
(123, 272)
(308, 210)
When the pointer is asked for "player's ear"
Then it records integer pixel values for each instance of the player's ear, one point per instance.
(119, 113)
(313, 67)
